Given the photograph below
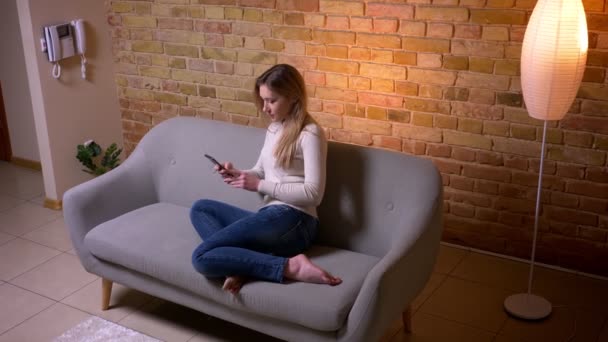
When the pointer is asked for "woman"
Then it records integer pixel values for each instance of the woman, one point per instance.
(290, 173)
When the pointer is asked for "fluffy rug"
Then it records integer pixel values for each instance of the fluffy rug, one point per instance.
(96, 329)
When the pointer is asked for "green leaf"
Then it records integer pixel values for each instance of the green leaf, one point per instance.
(109, 160)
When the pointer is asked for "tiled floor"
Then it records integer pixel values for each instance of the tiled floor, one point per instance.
(44, 291)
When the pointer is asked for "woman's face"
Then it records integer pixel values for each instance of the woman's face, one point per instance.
(276, 106)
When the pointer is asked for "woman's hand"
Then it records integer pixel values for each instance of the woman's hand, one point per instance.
(247, 181)
(228, 171)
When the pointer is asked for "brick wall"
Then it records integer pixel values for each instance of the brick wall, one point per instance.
(439, 79)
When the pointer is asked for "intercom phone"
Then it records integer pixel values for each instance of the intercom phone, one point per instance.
(65, 40)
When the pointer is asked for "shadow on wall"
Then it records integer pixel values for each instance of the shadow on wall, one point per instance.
(342, 204)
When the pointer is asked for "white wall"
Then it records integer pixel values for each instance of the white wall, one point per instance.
(15, 90)
(70, 110)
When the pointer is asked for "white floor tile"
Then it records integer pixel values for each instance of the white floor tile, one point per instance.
(164, 320)
(17, 305)
(25, 218)
(123, 301)
(53, 234)
(57, 278)
(20, 182)
(4, 238)
(19, 256)
(46, 325)
(8, 202)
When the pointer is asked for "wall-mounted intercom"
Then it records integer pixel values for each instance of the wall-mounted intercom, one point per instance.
(62, 41)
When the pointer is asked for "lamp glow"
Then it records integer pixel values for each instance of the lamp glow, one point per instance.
(553, 58)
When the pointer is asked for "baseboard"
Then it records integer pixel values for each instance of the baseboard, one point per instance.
(30, 164)
(525, 261)
(53, 204)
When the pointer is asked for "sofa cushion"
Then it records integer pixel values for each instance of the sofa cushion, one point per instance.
(158, 240)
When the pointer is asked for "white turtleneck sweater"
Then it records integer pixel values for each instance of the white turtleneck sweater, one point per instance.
(303, 184)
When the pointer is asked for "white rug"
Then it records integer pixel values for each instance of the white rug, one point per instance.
(96, 329)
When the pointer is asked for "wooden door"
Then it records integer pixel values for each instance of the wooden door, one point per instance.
(5, 142)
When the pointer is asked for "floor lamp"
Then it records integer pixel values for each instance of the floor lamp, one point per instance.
(553, 57)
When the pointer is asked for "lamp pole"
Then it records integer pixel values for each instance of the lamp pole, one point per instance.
(553, 58)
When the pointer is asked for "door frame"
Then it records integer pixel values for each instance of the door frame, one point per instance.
(6, 152)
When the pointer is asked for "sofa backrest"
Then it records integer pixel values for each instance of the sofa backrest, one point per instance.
(372, 196)
(175, 150)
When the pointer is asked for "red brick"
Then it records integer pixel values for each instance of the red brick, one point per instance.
(576, 155)
(341, 7)
(478, 200)
(467, 31)
(378, 40)
(361, 138)
(585, 123)
(427, 105)
(476, 48)
(390, 10)
(443, 151)
(316, 50)
(177, 24)
(217, 2)
(486, 187)
(213, 26)
(380, 100)
(514, 190)
(597, 174)
(511, 219)
(570, 171)
(417, 133)
(385, 25)
(340, 66)
(514, 205)
(572, 216)
(498, 16)
(561, 199)
(257, 3)
(593, 234)
(490, 158)
(461, 183)
(587, 189)
(413, 147)
(484, 214)
(549, 167)
(485, 172)
(306, 63)
(361, 24)
(448, 166)
(462, 210)
(298, 5)
(515, 162)
(387, 142)
(599, 206)
(463, 154)
(336, 22)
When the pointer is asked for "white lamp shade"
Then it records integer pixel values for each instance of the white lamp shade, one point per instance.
(553, 57)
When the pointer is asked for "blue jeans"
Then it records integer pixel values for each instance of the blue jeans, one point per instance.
(245, 243)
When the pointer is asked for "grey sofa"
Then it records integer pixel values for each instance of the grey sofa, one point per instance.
(380, 231)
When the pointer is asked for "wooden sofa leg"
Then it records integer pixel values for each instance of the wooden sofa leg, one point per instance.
(106, 292)
(406, 317)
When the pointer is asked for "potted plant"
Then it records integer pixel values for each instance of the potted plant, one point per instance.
(96, 161)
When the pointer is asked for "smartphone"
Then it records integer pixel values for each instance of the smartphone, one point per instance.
(214, 161)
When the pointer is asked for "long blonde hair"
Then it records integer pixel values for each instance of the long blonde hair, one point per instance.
(286, 81)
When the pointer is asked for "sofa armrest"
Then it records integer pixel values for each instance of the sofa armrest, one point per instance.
(125, 188)
(396, 280)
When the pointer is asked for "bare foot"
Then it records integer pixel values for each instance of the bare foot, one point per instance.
(233, 284)
(301, 268)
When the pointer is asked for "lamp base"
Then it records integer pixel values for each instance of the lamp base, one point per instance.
(528, 306)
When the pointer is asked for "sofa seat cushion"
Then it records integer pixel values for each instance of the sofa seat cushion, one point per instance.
(158, 240)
